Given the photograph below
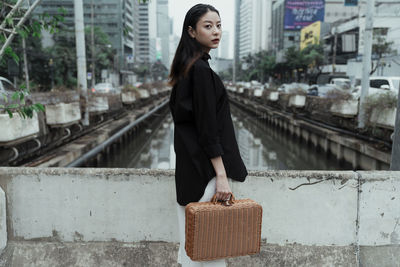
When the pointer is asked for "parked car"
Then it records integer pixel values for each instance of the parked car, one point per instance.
(104, 88)
(341, 83)
(379, 85)
(6, 87)
(321, 90)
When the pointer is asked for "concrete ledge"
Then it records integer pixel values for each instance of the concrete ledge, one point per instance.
(95, 254)
(310, 218)
(156, 254)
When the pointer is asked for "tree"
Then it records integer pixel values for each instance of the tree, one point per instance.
(295, 61)
(158, 71)
(314, 57)
(257, 66)
(12, 24)
(380, 48)
(104, 54)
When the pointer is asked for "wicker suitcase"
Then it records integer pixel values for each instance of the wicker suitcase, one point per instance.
(215, 230)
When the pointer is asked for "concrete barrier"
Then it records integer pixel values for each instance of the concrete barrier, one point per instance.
(63, 113)
(3, 223)
(310, 218)
(16, 128)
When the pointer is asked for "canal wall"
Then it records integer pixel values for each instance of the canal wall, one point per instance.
(126, 217)
(360, 153)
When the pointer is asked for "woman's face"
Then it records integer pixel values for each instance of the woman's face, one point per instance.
(208, 31)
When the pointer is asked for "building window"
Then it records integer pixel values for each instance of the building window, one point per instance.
(291, 38)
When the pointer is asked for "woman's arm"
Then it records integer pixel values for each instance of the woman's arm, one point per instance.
(223, 189)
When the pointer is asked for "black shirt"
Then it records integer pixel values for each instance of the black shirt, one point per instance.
(203, 130)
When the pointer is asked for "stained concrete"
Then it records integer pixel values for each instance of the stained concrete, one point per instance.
(310, 218)
(380, 256)
(156, 254)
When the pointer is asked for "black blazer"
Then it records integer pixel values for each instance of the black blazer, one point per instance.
(203, 130)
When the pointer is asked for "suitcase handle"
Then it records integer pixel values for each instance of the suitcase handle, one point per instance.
(228, 202)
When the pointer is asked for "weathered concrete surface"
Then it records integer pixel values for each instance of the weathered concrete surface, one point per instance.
(298, 255)
(310, 218)
(17, 127)
(156, 254)
(3, 221)
(94, 254)
(380, 256)
(326, 209)
(63, 113)
(121, 204)
(90, 205)
(380, 208)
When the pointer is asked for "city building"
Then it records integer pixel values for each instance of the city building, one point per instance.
(173, 44)
(163, 32)
(223, 49)
(283, 36)
(350, 42)
(252, 26)
(115, 18)
(237, 31)
(142, 33)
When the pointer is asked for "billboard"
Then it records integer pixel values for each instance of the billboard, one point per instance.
(310, 34)
(301, 13)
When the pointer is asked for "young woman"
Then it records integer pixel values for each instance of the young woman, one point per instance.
(205, 145)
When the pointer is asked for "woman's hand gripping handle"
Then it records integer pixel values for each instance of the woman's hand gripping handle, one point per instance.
(223, 190)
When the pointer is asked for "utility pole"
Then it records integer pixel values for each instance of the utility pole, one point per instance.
(81, 57)
(366, 68)
(334, 51)
(93, 48)
(25, 64)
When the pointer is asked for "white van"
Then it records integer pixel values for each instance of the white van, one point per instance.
(381, 84)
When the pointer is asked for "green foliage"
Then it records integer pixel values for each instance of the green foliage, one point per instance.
(16, 103)
(31, 29)
(104, 54)
(380, 48)
(257, 66)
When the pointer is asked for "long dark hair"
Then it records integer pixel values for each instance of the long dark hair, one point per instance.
(189, 49)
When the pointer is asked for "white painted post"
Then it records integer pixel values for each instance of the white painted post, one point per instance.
(366, 69)
(81, 56)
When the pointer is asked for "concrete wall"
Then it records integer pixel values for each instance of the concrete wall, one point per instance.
(312, 217)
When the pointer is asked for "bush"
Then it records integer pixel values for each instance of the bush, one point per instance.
(379, 102)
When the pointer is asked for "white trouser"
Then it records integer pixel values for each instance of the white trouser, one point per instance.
(182, 256)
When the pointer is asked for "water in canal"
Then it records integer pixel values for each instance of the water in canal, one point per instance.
(261, 146)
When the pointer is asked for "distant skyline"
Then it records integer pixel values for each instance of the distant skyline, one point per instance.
(226, 8)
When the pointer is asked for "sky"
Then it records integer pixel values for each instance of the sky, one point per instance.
(178, 8)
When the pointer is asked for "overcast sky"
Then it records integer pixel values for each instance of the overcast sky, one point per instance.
(178, 8)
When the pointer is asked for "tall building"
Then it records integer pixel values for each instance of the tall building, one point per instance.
(237, 31)
(253, 27)
(163, 32)
(223, 48)
(115, 18)
(141, 32)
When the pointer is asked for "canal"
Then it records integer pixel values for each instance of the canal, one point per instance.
(262, 148)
